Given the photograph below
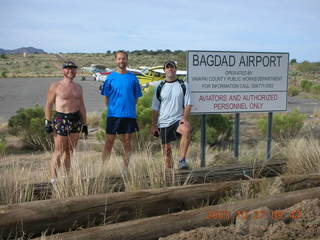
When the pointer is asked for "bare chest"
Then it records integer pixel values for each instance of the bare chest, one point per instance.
(68, 92)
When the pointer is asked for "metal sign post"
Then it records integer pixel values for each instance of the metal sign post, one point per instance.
(236, 135)
(203, 141)
(269, 136)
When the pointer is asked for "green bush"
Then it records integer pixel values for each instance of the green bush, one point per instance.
(307, 67)
(100, 135)
(3, 56)
(306, 85)
(293, 61)
(293, 91)
(284, 126)
(316, 89)
(144, 116)
(28, 125)
(219, 128)
(3, 144)
(4, 74)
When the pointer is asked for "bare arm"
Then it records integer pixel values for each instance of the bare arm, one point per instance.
(51, 97)
(186, 112)
(83, 112)
(106, 100)
(154, 120)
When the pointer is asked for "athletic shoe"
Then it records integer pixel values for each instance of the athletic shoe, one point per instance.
(183, 164)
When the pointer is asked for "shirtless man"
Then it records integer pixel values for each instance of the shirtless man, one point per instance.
(70, 117)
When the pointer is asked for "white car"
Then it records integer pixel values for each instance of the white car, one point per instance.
(101, 77)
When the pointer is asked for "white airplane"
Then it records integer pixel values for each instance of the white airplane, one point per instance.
(102, 76)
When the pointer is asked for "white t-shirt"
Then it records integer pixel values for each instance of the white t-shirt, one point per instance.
(172, 105)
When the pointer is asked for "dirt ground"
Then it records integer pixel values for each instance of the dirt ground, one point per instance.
(300, 222)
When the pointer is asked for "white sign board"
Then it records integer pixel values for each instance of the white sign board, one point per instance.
(229, 82)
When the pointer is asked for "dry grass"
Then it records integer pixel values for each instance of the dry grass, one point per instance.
(146, 168)
(303, 156)
(93, 119)
(88, 174)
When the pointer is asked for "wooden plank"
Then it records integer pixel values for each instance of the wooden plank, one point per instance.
(66, 214)
(160, 226)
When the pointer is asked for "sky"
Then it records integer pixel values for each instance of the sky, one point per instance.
(97, 26)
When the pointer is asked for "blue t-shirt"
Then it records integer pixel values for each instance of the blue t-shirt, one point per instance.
(122, 91)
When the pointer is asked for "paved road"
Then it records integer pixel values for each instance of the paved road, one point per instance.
(16, 93)
(306, 106)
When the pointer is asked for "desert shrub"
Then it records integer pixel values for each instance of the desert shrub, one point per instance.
(28, 125)
(144, 115)
(284, 126)
(306, 85)
(293, 91)
(3, 144)
(293, 61)
(3, 56)
(93, 119)
(316, 89)
(100, 135)
(307, 67)
(4, 74)
(219, 128)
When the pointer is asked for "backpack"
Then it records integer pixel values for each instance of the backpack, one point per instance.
(159, 88)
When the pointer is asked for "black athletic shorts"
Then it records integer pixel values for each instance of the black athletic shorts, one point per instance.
(117, 125)
(170, 133)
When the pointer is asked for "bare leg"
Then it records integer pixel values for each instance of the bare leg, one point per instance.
(126, 143)
(68, 150)
(106, 153)
(184, 144)
(167, 152)
(57, 153)
(185, 132)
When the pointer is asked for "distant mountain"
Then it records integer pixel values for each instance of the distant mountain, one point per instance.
(21, 50)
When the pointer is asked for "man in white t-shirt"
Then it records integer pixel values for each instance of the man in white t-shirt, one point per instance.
(171, 106)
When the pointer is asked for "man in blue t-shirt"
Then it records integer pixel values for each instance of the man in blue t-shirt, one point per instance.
(121, 91)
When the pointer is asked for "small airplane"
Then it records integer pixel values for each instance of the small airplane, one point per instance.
(151, 76)
(102, 76)
(148, 76)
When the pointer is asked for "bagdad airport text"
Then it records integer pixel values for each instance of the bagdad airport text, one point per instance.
(211, 60)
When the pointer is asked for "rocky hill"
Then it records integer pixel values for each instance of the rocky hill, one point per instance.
(22, 50)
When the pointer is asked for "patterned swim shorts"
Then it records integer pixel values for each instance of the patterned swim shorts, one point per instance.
(67, 123)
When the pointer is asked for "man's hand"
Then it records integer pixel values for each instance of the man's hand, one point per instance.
(85, 131)
(48, 126)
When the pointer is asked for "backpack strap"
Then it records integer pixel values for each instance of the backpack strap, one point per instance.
(183, 86)
(159, 90)
(160, 86)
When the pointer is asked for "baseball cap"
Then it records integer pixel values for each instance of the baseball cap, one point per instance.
(69, 64)
(170, 63)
